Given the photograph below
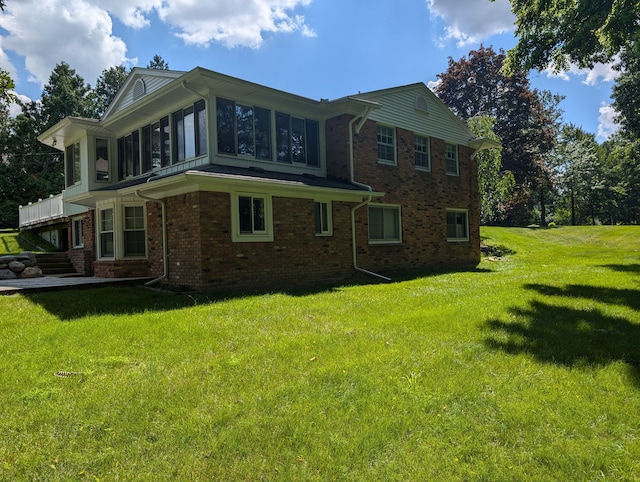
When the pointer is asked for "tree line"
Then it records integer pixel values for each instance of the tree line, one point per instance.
(29, 170)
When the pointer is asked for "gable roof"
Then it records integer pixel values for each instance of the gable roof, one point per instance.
(416, 107)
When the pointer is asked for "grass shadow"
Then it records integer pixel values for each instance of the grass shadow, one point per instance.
(613, 296)
(624, 268)
(569, 336)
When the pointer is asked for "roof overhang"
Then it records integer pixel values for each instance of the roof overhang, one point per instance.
(194, 180)
(68, 129)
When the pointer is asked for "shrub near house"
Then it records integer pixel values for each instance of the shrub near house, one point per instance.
(209, 182)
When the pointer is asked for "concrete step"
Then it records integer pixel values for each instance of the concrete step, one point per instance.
(55, 263)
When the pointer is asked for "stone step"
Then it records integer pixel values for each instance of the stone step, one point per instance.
(55, 263)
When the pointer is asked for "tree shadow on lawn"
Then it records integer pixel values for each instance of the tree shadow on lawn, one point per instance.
(572, 337)
(624, 268)
(73, 304)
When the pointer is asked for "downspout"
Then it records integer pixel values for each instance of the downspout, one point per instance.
(165, 251)
(363, 118)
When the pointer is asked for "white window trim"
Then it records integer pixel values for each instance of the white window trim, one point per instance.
(99, 232)
(120, 223)
(329, 230)
(418, 167)
(74, 231)
(386, 241)
(450, 173)
(118, 229)
(463, 239)
(387, 162)
(236, 235)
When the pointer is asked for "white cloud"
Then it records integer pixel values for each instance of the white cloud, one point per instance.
(472, 21)
(46, 32)
(433, 84)
(234, 23)
(607, 125)
(79, 32)
(604, 72)
(14, 108)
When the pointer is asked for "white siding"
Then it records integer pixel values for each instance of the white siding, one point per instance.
(399, 110)
(151, 83)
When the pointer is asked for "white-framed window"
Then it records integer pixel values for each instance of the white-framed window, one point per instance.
(386, 145)
(251, 217)
(134, 237)
(102, 160)
(451, 159)
(457, 225)
(384, 224)
(106, 233)
(72, 161)
(76, 233)
(322, 216)
(421, 152)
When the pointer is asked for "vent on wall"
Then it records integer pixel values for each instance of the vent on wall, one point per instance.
(421, 105)
(139, 89)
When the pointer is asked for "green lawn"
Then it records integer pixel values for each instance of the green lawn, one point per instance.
(14, 242)
(526, 368)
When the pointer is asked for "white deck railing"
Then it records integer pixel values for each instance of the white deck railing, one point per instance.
(46, 210)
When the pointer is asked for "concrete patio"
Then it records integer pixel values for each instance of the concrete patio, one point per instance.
(53, 283)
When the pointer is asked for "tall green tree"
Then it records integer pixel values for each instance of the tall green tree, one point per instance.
(6, 86)
(621, 157)
(558, 32)
(495, 185)
(158, 63)
(626, 90)
(107, 86)
(66, 94)
(474, 86)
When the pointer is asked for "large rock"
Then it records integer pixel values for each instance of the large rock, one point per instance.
(7, 258)
(28, 259)
(31, 272)
(6, 274)
(16, 266)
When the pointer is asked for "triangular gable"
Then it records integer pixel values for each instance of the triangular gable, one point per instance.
(415, 107)
(139, 84)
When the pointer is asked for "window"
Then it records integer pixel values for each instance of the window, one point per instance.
(76, 233)
(421, 152)
(251, 217)
(150, 147)
(106, 233)
(298, 140)
(102, 160)
(322, 213)
(457, 225)
(189, 131)
(134, 237)
(451, 159)
(73, 164)
(129, 155)
(243, 130)
(386, 145)
(384, 224)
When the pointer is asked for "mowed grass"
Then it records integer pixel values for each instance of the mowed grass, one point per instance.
(526, 368)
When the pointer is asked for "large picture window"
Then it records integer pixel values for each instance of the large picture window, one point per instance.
(243, 130)
(457, 225)
(189, 130)
(384, 224)
(297, 140)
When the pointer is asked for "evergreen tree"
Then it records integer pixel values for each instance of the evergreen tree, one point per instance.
(158, 63)
(107, 86)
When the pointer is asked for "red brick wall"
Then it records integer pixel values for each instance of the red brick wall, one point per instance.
(120, 268)
(82, 258)
(202, 255)
(423, 196)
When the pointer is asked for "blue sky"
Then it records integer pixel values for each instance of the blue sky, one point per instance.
(315, 48)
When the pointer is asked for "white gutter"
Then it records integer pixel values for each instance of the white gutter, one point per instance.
(165, 250)
(363, 118)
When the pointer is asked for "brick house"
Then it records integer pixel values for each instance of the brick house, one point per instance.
(207, 182)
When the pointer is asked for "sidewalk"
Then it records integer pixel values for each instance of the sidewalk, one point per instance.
(52, 283)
